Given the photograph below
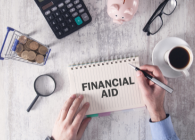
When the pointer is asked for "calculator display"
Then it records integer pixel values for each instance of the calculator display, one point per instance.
(40, 0)
(47, 5)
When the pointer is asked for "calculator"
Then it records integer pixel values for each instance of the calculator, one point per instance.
(64, 16)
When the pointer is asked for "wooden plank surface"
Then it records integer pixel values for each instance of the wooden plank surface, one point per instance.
(100, 39)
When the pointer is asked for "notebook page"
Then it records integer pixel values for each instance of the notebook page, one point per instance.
(107, 86)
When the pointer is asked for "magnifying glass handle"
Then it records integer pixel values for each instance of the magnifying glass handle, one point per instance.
(31, 105)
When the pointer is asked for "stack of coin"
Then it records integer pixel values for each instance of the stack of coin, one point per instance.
(31, 50)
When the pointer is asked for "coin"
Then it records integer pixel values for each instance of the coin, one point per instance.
(19, 54)
(39, 58)
(28, 43)
(24, 55)
(42, 50)
(23, 39)
(26, 48)
(19, 48)
(31, 55)
(34, 45)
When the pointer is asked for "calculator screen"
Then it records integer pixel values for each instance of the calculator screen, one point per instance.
(40, 0)
(47, 5)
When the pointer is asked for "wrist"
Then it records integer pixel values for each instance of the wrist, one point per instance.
(158, 116)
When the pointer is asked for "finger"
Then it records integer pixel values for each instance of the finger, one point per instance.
(66, 107)
(142, 82)
(155, 71)
(83, 127)
(74, 107)
(79, 117)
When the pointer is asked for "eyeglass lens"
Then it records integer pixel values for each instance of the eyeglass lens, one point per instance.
(170, 6)
(157, 22)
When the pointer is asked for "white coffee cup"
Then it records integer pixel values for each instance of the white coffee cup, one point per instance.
(186, 68)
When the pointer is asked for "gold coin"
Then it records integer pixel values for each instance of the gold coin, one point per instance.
(31, 60)
(28, 43)
(31, 55)
(24, 55)
(19, 48)
(23, 39)
(39, 59)
(26, 48)
(42, 50)
(34, 45)
(19, 54)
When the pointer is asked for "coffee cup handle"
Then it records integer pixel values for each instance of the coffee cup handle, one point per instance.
(186, 73)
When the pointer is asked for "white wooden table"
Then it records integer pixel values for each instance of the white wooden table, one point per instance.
(100, 39)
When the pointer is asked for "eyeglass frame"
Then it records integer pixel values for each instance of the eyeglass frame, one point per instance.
(153, 17)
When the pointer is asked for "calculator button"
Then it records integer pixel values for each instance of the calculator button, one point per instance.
(57, 28)
(60, 33)
(67, 15)
(54, 9)
(57, 13)
(70, 5)
(85, 17)
(79, 6)
(50, 17)
(72, 10)
(60, 19)
(81, 10)
(69, 20)
(67, 1)
(73, 25)
(47, 12)
(76, 2)
(63, 24)
(78, 20)
(63, 10)
(75, 14)
(66, 29)
(53, 22)
(60, 5)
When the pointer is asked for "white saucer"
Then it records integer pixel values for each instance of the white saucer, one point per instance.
(158, 55)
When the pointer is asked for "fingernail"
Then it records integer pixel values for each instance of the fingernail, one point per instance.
(87, 104)
(72, 96)
(80, 96)
(138, 73)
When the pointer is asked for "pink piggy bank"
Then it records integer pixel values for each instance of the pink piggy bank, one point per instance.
(122, 10)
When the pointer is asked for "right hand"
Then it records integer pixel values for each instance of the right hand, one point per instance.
(153, 95)
(69, 124)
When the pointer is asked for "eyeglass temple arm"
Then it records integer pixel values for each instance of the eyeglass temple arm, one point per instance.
(159, 7)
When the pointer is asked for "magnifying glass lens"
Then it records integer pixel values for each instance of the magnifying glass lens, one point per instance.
(45, 85)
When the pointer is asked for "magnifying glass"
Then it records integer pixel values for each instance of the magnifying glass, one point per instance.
(44, 86)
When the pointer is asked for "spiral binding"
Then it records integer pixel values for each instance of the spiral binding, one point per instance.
(103, 62)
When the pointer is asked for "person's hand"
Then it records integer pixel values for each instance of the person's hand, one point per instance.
(153, 95)
(68, 126)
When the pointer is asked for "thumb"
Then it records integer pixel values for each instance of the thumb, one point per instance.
(144, 87)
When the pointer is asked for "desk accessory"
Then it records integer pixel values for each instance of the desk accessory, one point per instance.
(108, 86)
(122, 10)
(155, 23)
(15, 49)
(158, 55)
(180, 58)
(64, 16)
(44, 86)
(154, 80)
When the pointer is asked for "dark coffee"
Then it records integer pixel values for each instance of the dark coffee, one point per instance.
(179, 57)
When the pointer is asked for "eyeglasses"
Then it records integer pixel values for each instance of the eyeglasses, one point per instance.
(155, 23)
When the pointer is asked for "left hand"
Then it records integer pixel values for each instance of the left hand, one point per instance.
(66, 126)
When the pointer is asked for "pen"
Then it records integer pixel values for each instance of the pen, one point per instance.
(154, 80)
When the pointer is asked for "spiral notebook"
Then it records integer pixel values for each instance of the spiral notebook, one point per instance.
(108, 86)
